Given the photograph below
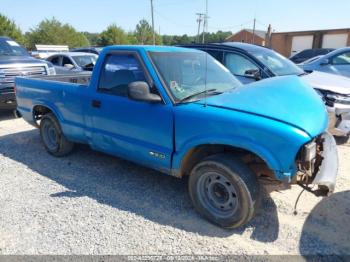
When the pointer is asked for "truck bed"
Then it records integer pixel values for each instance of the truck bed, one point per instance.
(78, 78)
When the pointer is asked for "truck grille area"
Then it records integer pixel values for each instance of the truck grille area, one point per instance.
(7, 79)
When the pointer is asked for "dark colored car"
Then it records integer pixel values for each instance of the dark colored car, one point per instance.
(309, 53)
(93, 49)
(250, 63)
(16, 61)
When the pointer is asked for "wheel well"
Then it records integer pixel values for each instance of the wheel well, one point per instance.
(253, 161)
(39, 111)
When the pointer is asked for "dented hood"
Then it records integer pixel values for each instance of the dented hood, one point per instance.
(324, 81)
(285, 99)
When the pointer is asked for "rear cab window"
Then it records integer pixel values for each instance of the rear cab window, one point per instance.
(118, 71)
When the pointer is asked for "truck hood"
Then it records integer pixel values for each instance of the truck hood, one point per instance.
(5, 60)
(286, 99)
(324, 81)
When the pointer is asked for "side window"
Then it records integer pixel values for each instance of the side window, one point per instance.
(239, 65)
(218, 55)
(342, 59)
(55, 60)
(66, 60)
(118, 72)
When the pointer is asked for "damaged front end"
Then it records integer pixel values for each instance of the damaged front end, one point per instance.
(317, 163)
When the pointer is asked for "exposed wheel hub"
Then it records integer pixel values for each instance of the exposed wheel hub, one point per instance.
(218, 194)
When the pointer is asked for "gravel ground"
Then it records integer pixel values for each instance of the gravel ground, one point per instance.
(92, 203)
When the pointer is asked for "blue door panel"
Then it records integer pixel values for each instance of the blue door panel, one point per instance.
(138, 131)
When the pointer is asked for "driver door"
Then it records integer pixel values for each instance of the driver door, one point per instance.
(134, 130)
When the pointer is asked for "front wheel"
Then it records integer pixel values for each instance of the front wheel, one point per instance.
(224, 190)
(54, 140)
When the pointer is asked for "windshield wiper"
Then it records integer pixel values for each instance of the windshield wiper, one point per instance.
(209, 91)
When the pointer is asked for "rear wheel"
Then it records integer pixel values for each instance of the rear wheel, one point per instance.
(53, 139)
(224, 190)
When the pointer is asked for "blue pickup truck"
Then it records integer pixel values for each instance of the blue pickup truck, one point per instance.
(181, 112)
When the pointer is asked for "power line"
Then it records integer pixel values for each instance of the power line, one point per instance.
(175, 3)
(170, 20)
(232, 26)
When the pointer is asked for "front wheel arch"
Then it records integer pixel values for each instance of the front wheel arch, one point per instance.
(196, 154)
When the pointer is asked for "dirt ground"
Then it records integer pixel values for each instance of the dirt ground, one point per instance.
(91, 203)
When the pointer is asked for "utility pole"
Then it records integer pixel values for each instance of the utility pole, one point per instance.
(253, 42)
(199, 20)
(268, 36)
(205, 25)
(154, 33)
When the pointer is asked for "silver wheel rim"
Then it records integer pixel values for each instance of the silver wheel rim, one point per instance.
(217, 194)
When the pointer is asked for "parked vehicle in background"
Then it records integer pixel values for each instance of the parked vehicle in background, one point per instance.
(309, 60)
(72, 62)
(309, 53)
(336, 62)
(44, 51)
(181, 112)
(93, 49)
(16, 61)
(250, 63)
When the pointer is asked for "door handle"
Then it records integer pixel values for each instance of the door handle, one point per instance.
(96, 103)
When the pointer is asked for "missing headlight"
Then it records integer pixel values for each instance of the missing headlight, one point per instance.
(309, 152)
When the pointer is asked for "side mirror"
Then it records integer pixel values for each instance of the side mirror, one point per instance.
(68, 66)
(140, 91)
(253, 73)
(325, 62)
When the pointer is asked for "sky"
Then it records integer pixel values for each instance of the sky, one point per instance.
(179, 16)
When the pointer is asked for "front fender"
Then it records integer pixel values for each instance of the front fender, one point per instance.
(275, 142)
(237, 142)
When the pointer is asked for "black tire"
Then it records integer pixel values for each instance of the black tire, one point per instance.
(52, 137)
(224, 190)
(17, 114)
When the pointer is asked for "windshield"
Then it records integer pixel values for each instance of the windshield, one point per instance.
(85, 60)
(189, 73)
(11, 48)
(278, 64)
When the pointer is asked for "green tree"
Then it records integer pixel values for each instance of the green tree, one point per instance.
(178, 39)
(217, 37)
(167, 39)
(53, 32)
(93, 38)
(113, 35)
(10, 29)
(144, 34)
